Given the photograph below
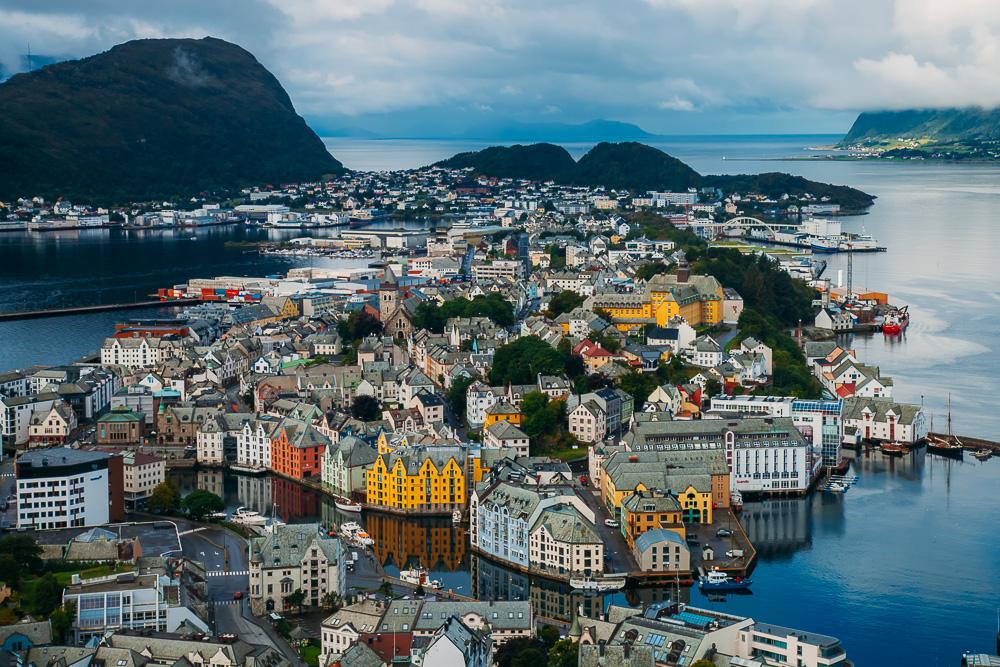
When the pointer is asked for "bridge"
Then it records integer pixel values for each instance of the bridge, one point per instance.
(742, 224)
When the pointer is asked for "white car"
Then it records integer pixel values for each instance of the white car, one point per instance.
(611, 523)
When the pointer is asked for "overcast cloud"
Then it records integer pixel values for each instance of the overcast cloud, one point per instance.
(396, 66)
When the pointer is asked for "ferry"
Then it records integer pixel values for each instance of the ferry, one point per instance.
(824, 244)
(720, 581)
(613, 582)
(418, 576)
(345, 505)
(248, 517)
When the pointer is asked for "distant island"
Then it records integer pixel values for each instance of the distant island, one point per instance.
(153, 118)
(640, 168)
(948, 134)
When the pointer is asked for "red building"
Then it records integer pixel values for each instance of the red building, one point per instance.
(297, 448)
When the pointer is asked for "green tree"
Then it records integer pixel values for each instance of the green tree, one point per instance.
(365, 408)
(564, 653)
(359, 325)
(505, 654)
(647, 271)
(520, 362)
(386, 589)
(457, 396)
(564, 302)
(165, 499)
(548, 634)
(200, 503)
(530, 657)
(296, 599)
(47, 595)
(704, 662)
(20, 556)
(61, 619)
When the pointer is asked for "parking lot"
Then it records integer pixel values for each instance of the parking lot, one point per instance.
(708, 535)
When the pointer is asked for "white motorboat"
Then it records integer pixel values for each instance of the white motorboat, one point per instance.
(418, 576)
(456, 517)
(352, 530)
(598, 584)
(248, 517)
(345, 505)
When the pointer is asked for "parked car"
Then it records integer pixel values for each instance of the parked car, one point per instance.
(237, 595)
(724, 532)
(611, 523)
(734, 553)
(583, 479)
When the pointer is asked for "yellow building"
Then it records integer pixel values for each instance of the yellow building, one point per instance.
(643, 511)
(502, 412)
(698, 299)
(626, 474)
(428, 478)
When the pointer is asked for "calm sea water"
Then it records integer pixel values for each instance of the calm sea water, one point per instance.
(904, 568)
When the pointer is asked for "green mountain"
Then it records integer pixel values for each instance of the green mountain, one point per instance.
(153, 118)
(536, 162)
(936, 126)
(637, 167)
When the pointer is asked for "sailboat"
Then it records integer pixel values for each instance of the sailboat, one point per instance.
(948, 445)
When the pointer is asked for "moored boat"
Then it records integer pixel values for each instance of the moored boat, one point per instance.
(945, 446)
(896, 321)
(983, 453)
(418, 576)
(598, 584)
(894, 449)
(345, 505)
(716, 580)
(248, 517)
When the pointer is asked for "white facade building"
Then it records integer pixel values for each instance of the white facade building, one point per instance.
(62, 488)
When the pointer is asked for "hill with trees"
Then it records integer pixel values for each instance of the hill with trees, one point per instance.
(153, 118)
(637, 167)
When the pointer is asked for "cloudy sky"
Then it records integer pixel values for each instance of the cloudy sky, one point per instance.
(432, 67)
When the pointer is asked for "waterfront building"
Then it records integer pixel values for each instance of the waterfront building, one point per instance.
(435, 478)
(138, 353)
(253, 444)
(344, 465)
(820, 421)
(66, 488)
(52, 425)
(129, 601)
(763, 454)
(295, 557)
(781, 645)
(682, 634)
(501, 517)
(662, 551)
(885, 420)
(650, 510)
(216, 439)
(699, 480)
(563, 542)
(296, 448)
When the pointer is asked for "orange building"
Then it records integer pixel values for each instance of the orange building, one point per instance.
(297, 449)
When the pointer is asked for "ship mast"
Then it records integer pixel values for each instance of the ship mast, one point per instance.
(949, 417)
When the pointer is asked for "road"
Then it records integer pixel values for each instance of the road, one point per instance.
(617, 556)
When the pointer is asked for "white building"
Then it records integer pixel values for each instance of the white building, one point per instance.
(884, 420)
(253, 445)
(63, 488)
(124, 602)
(295, 557)
(503, 434)
(142, 473)
(774, 644)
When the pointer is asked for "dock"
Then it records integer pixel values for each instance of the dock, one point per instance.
(100, 308)
(971, 444)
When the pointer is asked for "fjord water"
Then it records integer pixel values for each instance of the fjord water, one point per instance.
(904, 569)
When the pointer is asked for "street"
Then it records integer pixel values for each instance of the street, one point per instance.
(617, 556)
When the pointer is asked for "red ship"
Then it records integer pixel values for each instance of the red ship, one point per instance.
(896, 321)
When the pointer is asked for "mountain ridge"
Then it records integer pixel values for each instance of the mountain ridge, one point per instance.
(638, 167)
(153, 118)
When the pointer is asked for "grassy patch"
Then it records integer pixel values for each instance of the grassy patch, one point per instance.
(310, 655)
